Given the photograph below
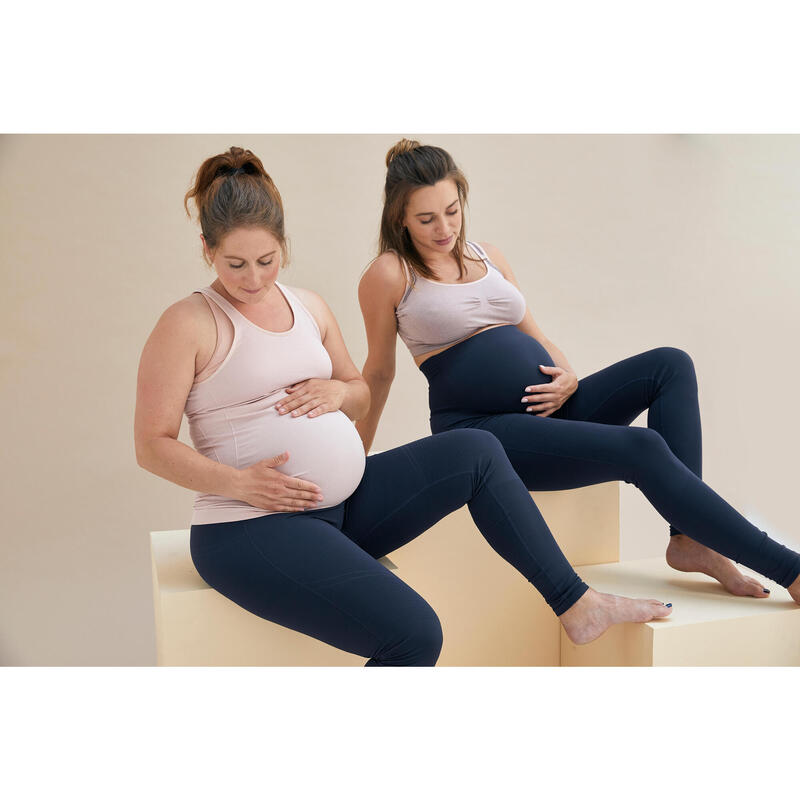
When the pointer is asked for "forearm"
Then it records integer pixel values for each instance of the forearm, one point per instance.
(168, 458)
(379, 391)
(357, 398)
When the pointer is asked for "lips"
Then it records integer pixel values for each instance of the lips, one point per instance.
(444, 241)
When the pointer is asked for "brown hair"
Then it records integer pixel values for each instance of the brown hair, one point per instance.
(410, 166)
(233, 190)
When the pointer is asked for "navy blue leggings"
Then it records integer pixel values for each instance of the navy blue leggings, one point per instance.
(479, 384)
(316, 571)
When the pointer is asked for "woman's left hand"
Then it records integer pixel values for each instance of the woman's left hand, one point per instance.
(313, 397)
(547, 398)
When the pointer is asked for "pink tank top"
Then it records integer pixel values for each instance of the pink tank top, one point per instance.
(232, 416)
(433, 315)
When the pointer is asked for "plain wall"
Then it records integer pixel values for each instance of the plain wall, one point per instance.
(620, 243)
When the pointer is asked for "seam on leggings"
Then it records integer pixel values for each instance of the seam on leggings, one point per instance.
(307, 588)
(559, 455)
(616, 391)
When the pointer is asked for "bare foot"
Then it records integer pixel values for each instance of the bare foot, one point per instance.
(595, 612)
(794, 590)
(688, 555)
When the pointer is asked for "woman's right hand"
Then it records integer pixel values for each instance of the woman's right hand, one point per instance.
(263, 486)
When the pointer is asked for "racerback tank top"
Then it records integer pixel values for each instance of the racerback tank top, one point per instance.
(433, 315)
(232, 417)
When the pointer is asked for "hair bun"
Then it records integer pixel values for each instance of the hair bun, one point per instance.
(401, 148)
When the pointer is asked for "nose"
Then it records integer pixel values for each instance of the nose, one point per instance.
(251, 279)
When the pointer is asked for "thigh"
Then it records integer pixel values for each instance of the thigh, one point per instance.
(305, 574)
(615, 395)
(407, 490)
(550, 454)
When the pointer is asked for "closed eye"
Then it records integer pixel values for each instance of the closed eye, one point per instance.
(449, 214)
(262, 263)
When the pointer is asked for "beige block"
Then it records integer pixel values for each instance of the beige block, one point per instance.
(584, 522)
(198, 626)
(707, 627)
(490, 614)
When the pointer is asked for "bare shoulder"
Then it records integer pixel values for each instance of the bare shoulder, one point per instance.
(188, 317)
(186, 329)
(383, 278)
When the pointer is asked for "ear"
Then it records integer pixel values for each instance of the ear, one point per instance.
(206, 251)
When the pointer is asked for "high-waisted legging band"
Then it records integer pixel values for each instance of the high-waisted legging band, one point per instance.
(317, 571)
(479, 383)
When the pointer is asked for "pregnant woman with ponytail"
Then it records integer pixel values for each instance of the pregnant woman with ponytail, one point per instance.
(290, 517)
(457, 306)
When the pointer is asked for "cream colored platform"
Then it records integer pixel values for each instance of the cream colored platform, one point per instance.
(490, 614)
(197, 626)
(707, 627)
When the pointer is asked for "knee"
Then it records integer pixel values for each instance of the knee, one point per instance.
(473, 444)
(676, 359)
(417, 644)
(644, 443)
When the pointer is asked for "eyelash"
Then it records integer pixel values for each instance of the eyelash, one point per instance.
(239, 266)
(449, 214)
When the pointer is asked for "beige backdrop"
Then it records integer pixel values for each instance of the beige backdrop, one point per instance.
(620, 243)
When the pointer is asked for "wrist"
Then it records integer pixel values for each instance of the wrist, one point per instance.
(230, 482)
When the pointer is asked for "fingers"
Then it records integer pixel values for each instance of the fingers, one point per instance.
(303, 486)
(548, 397)
(290, 403)
(312, 407)
(277, 460)
(301, 404)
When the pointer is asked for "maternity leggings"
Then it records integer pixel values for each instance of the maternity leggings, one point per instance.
(479, 384)
(317, 571)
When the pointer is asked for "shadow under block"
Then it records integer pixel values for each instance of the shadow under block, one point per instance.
(490, 614)
(707, 627)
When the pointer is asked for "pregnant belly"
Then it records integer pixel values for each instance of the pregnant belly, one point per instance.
(324, 450)
(488, 373)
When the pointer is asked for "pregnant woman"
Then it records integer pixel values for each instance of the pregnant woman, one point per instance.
(290, 517)
(457, 306)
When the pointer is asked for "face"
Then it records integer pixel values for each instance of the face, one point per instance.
(247, 262)
(433, 217)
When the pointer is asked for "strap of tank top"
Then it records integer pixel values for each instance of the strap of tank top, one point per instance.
(224, 304)
(407, 275)
(482, 254)
(297, 304)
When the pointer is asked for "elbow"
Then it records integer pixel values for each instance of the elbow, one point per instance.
(379, 375)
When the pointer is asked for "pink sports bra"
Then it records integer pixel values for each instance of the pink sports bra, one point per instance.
(433, 315)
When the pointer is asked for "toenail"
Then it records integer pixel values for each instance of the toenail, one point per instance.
(669, 605)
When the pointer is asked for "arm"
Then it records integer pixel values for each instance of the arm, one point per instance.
(166, 374)
(380, 290)
(346, 390)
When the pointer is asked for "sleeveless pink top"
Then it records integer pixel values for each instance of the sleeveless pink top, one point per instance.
(432, 314)
(232, 416)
